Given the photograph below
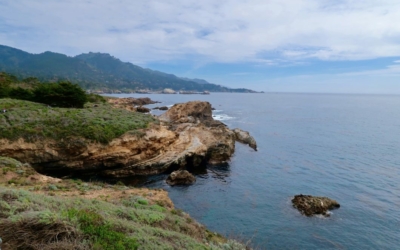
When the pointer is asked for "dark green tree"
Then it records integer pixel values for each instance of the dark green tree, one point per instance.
(60, 94)
(4, 90)
(20, 93)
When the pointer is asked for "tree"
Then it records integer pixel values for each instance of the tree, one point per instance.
(21, 94)
(60, 94)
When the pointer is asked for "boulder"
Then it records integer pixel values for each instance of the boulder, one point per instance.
(161, 108)
(142, 109)
(180, 177)
(142, 101)
(129, 102)
(200, 111)
(245, 137)
(311, 205)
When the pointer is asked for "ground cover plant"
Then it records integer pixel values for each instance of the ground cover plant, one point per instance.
(52, 216)
(98, 122)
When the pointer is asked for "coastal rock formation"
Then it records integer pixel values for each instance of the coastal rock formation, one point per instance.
(142, 109)
(180, 177)
(188, 135)
(311, 205)
(161, 108)
(245, 137)
(200, 111)
(129, 102)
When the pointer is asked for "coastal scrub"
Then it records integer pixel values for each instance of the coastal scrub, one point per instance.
(97, 122)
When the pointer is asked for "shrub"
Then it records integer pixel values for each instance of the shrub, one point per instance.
(61, 94)
(20, 93)
(102, 234)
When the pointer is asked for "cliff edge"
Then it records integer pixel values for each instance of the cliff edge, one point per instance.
(186, 135)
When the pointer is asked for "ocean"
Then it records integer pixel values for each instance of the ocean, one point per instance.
(343, 146)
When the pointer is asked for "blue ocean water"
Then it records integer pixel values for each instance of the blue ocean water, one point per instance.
(346, 147)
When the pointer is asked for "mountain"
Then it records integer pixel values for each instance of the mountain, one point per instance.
(96, 71)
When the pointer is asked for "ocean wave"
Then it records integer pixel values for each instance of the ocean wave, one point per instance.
(223, 117)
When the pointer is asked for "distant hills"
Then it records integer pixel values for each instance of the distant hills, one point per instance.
(98, 71)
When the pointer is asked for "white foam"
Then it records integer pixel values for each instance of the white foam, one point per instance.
(222, 117)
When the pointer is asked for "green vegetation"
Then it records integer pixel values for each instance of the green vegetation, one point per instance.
(97, 71)
(40, 215)
(60, 94)
(97, 122)
(35, 221)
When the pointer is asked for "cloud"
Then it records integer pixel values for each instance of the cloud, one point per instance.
(208, 30)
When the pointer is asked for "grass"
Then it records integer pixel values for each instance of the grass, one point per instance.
(31, 221)
(100, 122)
(55, 216)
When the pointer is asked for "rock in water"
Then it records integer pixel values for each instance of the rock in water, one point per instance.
(199, 111)
(180, 177)
(245, 137)
(142, 109)
(161, 108)
(310, 205)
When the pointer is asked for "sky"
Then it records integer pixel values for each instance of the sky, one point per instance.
(321, 46)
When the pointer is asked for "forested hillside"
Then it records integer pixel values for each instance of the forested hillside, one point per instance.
(97, 71)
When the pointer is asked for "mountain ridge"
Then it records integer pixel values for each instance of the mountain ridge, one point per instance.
(95, 70)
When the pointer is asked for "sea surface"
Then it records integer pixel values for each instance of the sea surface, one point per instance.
(346, 147)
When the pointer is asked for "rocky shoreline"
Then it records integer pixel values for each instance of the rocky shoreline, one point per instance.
(186, 135)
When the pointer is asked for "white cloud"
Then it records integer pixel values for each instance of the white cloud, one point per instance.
(208, 30)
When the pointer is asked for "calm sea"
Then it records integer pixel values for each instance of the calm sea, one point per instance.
(346, 147)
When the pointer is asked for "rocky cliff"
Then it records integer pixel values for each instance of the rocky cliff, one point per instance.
(187, 135)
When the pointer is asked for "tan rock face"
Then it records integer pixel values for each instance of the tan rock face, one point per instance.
(200, 111)
(191, 137)
(245, 137)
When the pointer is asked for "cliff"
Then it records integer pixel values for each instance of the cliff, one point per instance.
(186, 135)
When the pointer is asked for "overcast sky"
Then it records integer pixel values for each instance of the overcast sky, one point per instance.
(350, 46)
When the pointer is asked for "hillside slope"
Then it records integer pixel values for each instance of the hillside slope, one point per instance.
(97, 70)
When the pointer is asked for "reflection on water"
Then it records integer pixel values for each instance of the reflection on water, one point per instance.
(218, 172)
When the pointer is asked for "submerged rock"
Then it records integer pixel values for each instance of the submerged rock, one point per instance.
(311, 205)
(245, 137)
(180, 177)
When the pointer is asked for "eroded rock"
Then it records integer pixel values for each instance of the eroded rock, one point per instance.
(245, 137)
(129, 102)
(200, 111)
(142, 109)
(311, 205)
(161, 108)
(180, 177)
(191, 137)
